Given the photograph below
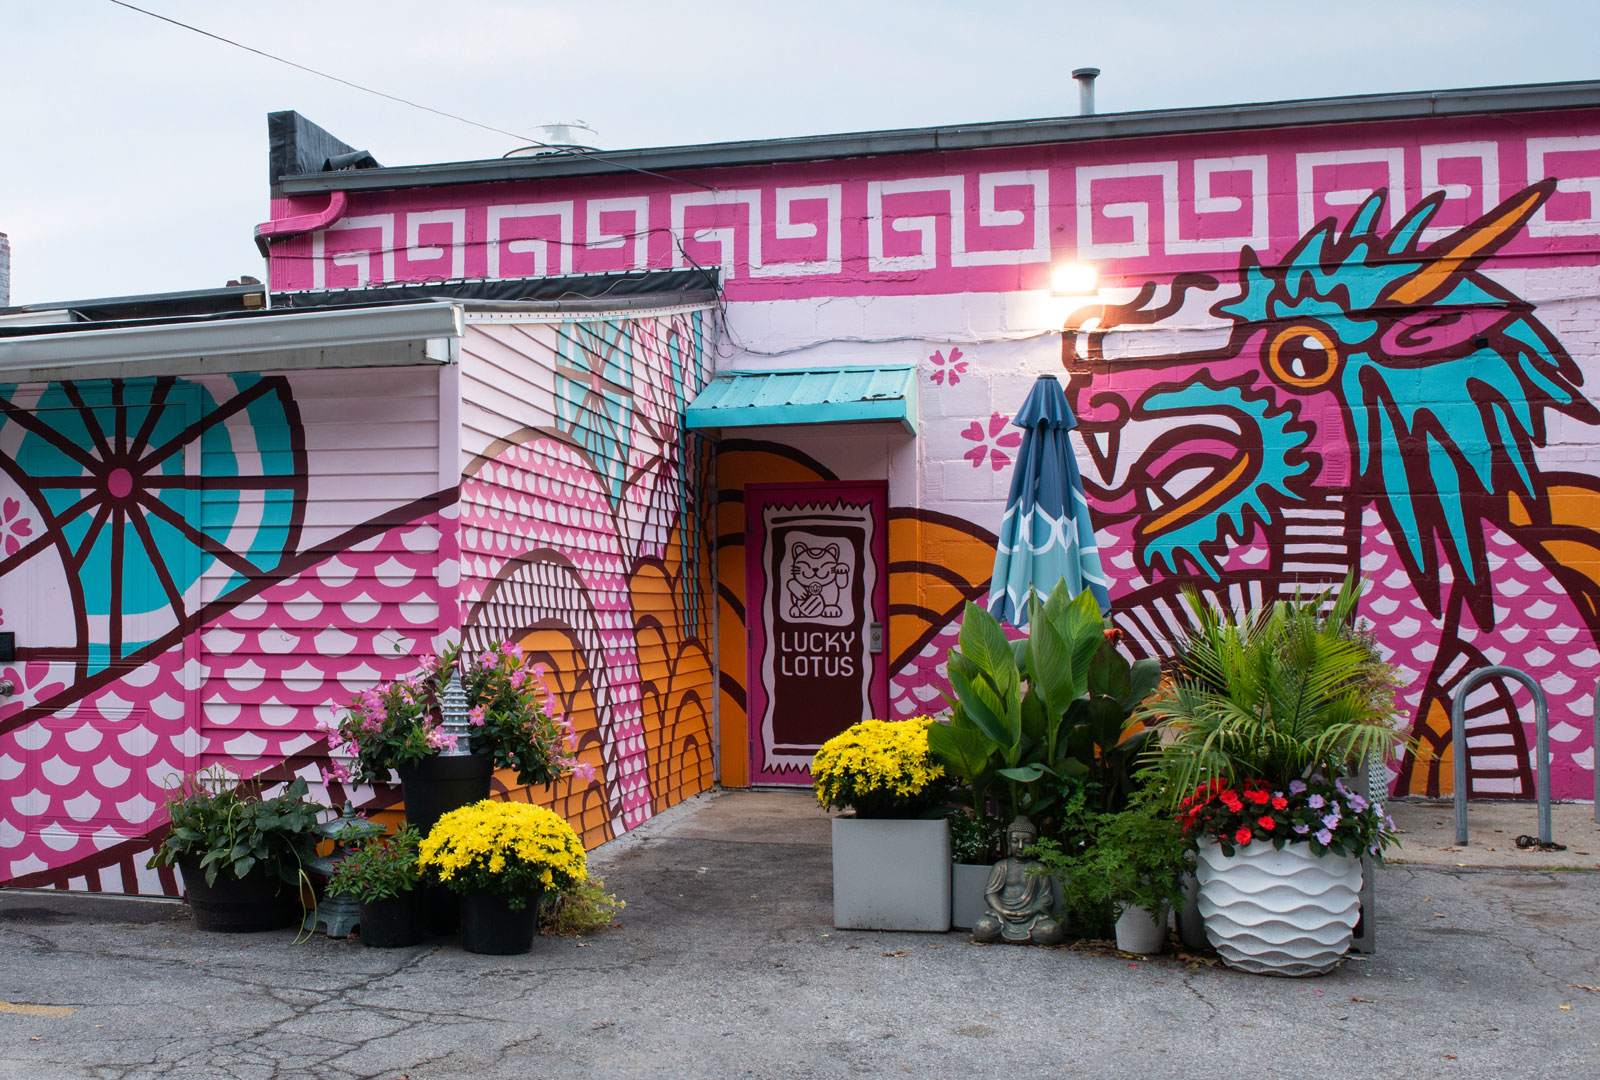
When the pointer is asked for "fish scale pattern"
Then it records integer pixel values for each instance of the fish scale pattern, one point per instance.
(541, 502)
(92, 776)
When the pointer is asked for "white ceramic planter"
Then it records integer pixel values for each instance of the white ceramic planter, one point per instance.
(1138, 931)
(891, 874)
(1277, 912)
(967, 882)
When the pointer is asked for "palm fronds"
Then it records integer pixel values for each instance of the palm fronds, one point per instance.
(1278, 694)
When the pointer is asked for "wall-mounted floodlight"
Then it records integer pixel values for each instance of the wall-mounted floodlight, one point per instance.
(1074, 279)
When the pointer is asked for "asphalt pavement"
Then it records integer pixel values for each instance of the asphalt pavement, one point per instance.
(726, 965)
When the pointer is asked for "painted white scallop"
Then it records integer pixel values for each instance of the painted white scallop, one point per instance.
(422, 538)
(10, 835)
(111, 774)
(33, 737)
(303, 678)
(448, 573)
(247, 676)
(81, 739)
(1558, 684)
(136, 809)
(303, 608)
(1564, 732)
(59, 839)
(359, 677)
(221, 640)
(28, 864)
(291, 746)
(142, 676)
(363, 609)
(275, 713)
(420, 611)
(163, 774)
(167, 707)
(276, 642)
(394, 573)
(107, 837)
(250, 610)
(59, 772)
(335, 642)
(138, 741)
(335, 574)
(218, 711)
(33, 804)
(248, 745)
(10, 767)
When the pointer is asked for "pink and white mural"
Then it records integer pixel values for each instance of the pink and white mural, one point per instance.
(1313, 348)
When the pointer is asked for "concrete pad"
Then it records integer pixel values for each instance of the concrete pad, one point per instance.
(727, 966)
(1428, 835)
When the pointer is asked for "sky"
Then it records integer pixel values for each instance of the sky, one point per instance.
(134, 153)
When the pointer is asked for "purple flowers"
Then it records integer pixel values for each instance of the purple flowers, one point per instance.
(1316, 802)
(1296, 787)
(1302, 829)
(1330, 821)
(1324, 837)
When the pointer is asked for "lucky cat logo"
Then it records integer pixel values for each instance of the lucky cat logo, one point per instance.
(817, 577)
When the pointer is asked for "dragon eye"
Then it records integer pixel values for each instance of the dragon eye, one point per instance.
(1303, 357)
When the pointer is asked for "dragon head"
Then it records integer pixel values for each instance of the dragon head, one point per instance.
(1363, 368)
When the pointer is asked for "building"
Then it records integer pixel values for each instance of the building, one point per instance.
(722, 432)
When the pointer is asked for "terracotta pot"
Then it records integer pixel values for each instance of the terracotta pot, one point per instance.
(258, 901)
(1274, 912)
(489, 924)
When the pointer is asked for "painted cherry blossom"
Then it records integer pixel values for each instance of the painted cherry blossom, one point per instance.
(998, 458)
(951, 369)
(14, 525)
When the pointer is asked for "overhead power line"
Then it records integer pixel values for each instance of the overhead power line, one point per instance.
(392, 97)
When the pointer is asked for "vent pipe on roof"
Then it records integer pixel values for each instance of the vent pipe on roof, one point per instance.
(1085, 77)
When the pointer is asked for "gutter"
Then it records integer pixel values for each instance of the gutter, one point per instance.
(283, 228)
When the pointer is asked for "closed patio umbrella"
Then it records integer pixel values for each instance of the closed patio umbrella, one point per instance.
(1045, 535)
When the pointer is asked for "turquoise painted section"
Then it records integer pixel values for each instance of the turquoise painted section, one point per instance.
(824, 396)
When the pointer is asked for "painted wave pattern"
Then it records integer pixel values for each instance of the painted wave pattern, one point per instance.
(92, 776)
(1274, 912)
(544, 497)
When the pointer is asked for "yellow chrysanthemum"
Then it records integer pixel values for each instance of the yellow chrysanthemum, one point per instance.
(877, 766)
(512, 848)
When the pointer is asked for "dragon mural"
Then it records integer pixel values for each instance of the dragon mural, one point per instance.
(1366, 401)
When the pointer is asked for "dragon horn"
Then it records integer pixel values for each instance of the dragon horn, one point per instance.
(1469, 246)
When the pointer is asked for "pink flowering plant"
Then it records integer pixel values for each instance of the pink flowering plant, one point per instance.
(512, 718)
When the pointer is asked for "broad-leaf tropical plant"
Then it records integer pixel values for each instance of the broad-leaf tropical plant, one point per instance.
(1283, 693)
(1029, 713)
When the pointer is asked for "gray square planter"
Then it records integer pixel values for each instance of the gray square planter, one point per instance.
(891, 874)
(967, 882)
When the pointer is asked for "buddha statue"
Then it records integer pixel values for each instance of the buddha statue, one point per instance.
(1021, 902)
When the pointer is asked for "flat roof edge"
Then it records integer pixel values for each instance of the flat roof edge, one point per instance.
(1099, 126)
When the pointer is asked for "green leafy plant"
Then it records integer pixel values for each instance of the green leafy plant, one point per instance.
(584, 909)
(1137, 857)
(228, 823)
(1284, 693)
(1054, 705)
(976, 838)
(380, 869)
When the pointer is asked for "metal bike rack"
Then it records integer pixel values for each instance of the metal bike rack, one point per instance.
(1541, 719)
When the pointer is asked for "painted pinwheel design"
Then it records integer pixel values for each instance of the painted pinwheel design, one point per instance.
(136, 490)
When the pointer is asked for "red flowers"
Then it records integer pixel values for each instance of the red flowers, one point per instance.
(1242, 836)
(1266, 823)
(1280, 803)
(1112, 634)
(1260, 798)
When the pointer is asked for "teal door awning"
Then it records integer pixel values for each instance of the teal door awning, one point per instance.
(818, 396)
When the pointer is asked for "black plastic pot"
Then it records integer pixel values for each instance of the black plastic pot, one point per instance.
(392, 923)
(432, 788)
(436, 785)
(489, 925)
(258, 901)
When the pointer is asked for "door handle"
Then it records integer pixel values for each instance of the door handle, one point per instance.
(7, 688)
